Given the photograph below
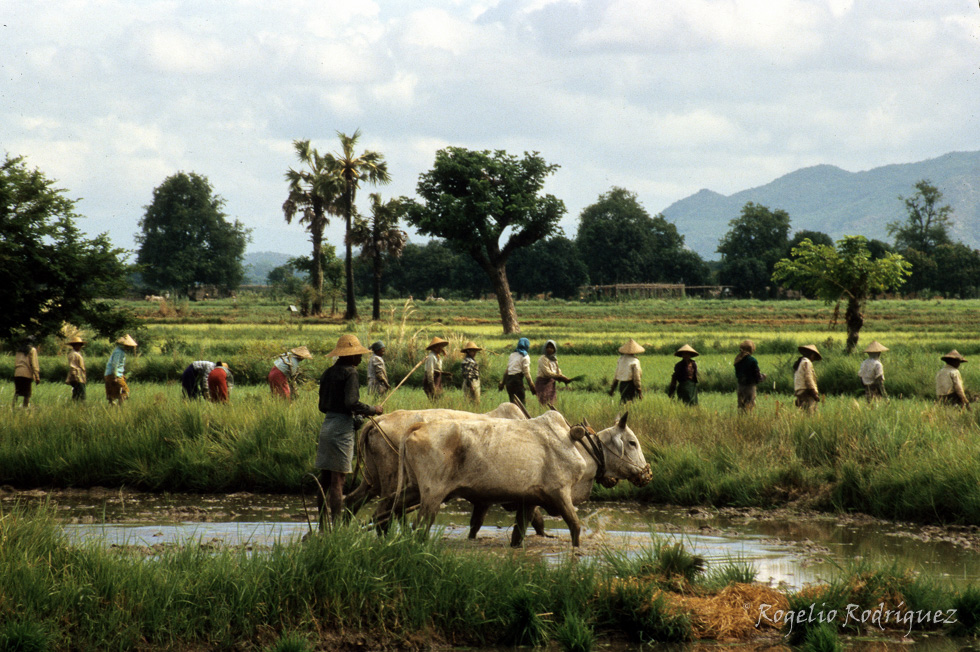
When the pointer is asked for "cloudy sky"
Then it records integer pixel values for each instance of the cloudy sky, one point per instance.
(663, 97)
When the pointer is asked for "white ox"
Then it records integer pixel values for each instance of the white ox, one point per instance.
(378, 451)
(540, 462)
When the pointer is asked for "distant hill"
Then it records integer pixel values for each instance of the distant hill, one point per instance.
(829, 199)
(259, 264)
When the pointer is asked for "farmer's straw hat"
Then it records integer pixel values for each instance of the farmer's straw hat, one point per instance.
(953, 355)
(876, 347)
(303, 353)
(688, 349)
(436, 343)
(126, 340)
(348, 345)
(76, 339)
(471, 346)
(631, 347)
(812, 349)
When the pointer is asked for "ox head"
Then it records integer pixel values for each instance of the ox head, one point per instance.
(624, 458)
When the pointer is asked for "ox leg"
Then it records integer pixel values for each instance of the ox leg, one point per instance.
(537, 522)
(476, 520)
(356, 499)
(428, 508)
(520, 527)
(570, 516)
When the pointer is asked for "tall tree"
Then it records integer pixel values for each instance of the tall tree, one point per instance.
(313, 193)
(749, 251)
(927, 225)
(845, 273)
(472, 198)
(351, 169)
(379, 237)
(51, 273)
(621, 243)
(185, 240)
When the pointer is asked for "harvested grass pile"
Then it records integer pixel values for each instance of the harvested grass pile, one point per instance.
(732, 613)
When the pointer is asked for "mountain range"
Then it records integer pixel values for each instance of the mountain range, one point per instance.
(837, 202)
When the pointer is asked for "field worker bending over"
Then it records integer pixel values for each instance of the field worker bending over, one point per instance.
(76, 368)
(220, 382)
(518, 371)
(748, 375)
(194, 379)
(377, 374)
(26, 371)
(684, 380)
(804, 380)
(546, 383)
(432, 383)
(872, 373)
(628, 373)
(471, 372)
(949, 383)
(339, 402)
(285, 369)
(116, 389)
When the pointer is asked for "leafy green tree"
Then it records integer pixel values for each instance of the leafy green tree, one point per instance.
(621, 243)
(757, 236)
(436, 269)
(331, 269)
(351, 169)
(550, 265)
(816, 237)
(845, 273)
(380, 238)
(927, 225)
(472, 199)
(314, 192)
(51, 273)
(185, 240)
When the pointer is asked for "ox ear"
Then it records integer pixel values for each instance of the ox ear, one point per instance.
(577, 433)
(622, 420)
(588, 426)
(617, 443)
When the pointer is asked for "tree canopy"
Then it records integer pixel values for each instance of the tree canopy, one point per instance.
(844, 273)
(550, 266)
(756, 240)
(927, 224)
(476, 199)
(185, 240)
(52, 273)
(379, 239)
(621, 243)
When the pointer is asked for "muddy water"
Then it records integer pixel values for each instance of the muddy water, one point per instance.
(786, 548)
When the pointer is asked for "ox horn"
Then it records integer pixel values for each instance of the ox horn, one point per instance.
(589, 428)
(622, 419)
(518, 403)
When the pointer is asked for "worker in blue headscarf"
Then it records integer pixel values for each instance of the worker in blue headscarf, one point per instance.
(518, 370)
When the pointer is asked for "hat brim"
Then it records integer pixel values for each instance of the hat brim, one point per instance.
(343, 352)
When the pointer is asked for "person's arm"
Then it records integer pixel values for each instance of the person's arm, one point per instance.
(526, 367)
(958, 388)
(636, 375)
(352, 399)
(35, 366)
(381, 374)
(810, 379)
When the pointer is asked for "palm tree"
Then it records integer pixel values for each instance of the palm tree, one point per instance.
(351, 170)
(379, 237)
(313, 193)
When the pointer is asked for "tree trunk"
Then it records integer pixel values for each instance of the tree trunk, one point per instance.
(317, 273)
(351, 311)
(376, 305)
(501, 287)
(854, 320)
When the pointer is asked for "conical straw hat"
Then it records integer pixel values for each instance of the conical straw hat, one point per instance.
(953, 355)
(687, 348)
(348, 345)
(876, 347)
(126, 340)
(76, 339)
(471, 346)
(631, 347)
(303, 353)
(812, 349)
(436, 343)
